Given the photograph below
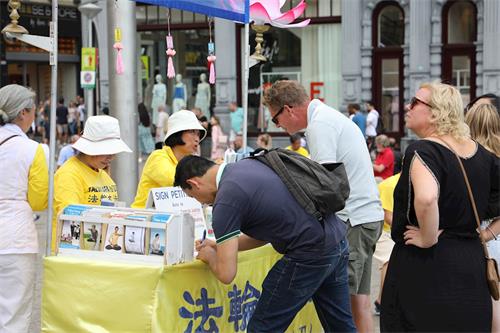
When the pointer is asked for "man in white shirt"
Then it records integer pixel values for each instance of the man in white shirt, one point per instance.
(371, 123)
(332, 138)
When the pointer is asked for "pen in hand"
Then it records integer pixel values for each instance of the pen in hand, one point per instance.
(204, 235)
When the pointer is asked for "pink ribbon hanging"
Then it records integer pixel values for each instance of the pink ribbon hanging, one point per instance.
(170, 53)
(211, 61)
(119, 60)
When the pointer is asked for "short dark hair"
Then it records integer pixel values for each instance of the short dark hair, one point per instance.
(295, 137)
(61, 100)
(175, 140)
(354, 106)
(189, 167)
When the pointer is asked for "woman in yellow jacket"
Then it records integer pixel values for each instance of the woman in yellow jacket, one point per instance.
(183, 138)
(23, 189)
(82, 179)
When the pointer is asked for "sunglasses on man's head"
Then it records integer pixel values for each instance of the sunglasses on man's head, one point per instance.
(415, 100)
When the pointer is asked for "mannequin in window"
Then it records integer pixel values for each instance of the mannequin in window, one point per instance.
(202, 100)
(180, 94)
(159, 97)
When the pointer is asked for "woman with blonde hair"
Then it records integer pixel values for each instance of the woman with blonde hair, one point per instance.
(264, 141)
(436, 277)
(484, 123)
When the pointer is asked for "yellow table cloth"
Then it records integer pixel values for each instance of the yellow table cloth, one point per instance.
(82, 295)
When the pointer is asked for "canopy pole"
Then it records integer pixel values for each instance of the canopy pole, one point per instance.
(53, 138)
(245, 85)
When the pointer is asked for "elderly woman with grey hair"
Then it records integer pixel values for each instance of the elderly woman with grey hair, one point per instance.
(23, 189)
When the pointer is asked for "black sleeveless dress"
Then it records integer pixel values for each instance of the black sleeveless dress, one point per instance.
(442, 288)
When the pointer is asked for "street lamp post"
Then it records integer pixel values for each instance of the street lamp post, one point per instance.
(89, 10)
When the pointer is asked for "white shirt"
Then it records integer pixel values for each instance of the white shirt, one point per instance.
(371, 123)
(17, 230)
(161, 127)
(332, 138)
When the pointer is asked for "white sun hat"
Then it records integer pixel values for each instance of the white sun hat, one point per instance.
(101, 136)
(184, 120)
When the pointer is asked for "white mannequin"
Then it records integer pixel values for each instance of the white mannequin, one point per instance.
(159, 97)
(202, 100)
(180, 95)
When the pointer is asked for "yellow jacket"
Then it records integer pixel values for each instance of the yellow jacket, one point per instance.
(159, 171)
(386, 190)
(302, 151)
(77, 183)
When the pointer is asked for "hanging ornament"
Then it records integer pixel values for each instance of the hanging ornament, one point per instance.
(170, 51)
(118, 46)
(211, 55)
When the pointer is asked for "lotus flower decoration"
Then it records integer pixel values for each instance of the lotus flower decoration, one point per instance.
(264, 12)
(269, 11)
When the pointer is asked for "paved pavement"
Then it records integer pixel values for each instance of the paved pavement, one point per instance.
(41, 229)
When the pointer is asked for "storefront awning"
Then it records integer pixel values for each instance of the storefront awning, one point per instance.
(234, 10)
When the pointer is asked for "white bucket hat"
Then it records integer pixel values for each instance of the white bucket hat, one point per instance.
(101, 136)
(184, 120)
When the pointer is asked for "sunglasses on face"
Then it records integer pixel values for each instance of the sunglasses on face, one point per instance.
(415, 100)
(275, 118)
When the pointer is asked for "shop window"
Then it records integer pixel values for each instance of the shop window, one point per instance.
(387, 77)
(459, 51)
(190, 61)
(310, 55)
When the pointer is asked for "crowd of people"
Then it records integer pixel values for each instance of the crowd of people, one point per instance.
(417, 221)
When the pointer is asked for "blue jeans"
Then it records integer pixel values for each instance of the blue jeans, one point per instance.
(291, 283)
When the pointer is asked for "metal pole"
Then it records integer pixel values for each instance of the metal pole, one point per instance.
(123, 95)
(53, 104)
(245, 85)
(90, 92)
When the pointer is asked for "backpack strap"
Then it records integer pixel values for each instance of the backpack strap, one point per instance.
(7, 139)
(275, 162)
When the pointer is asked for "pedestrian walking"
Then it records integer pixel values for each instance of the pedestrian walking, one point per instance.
(236, 114)
(253, 207)
(62, 122)
(383, 166)
(359, 117)
(23, 189)
(146, 142)
(161, 127)
(219, 140)
(333, 138)
(436, 279)
(372, 122)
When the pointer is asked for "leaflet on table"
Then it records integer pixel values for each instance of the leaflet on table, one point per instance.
(112, 238)
(100, 212)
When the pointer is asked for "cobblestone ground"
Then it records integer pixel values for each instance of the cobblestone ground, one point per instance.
(42, 232)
